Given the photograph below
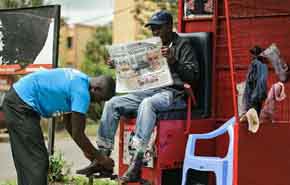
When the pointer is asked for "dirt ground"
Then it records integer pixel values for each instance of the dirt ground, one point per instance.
(72, 154)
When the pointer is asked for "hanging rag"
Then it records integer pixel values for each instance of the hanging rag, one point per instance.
(252, 118)
(276, 94)
(241, 89)
(281, 68)
(256, 85)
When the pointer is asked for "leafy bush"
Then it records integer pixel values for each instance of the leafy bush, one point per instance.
(59, 174)
(58, 170)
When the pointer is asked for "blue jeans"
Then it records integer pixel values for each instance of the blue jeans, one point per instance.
(146, 104)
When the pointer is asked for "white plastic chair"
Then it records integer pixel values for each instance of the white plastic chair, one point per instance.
(222, 167)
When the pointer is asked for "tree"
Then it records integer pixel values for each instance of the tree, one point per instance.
(96, 52)
(145, 8)
(94, 62)
(20, 3)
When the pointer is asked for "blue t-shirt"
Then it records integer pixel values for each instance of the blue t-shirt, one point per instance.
(55, 91)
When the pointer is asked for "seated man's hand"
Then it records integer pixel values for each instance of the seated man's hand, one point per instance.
(110, 63)
(168, 53)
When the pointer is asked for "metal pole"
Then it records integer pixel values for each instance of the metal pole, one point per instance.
(91, 180)
(51, 125)
(234, 94)
(51, 134)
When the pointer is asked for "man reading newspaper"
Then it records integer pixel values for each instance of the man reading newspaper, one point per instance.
(140, 65)
(184, 67)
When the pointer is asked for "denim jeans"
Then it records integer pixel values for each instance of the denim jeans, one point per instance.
(146, 104)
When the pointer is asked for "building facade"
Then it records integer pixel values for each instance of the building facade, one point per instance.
(125, 27)
(72, 44)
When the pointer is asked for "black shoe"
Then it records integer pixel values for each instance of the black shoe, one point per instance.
(96, 166)
(133, 173)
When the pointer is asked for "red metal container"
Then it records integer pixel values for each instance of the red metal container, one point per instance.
(262, 158)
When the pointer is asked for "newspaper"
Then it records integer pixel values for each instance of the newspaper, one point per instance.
(140, 65)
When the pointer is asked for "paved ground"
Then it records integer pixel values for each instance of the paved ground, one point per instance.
(72, 154)
(7, 170)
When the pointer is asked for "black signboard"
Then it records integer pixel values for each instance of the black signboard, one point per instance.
(29, 36)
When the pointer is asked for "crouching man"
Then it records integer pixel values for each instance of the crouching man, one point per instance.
(44, 94)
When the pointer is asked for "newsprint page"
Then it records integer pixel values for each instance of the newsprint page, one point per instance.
(140, 65)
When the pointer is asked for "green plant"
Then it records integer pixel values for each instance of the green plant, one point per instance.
(70, 180)
(58, 168)
(81, 180)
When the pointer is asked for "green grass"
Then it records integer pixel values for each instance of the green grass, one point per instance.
(81, 180)
(9, 182)
(75, 180)
(91, 130)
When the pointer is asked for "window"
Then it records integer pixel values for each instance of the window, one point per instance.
(69, 42)
(198, 8)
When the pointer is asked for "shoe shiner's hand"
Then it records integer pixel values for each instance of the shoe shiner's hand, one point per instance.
(104, 166)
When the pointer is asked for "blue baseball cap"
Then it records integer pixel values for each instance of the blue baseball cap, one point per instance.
(159, 18)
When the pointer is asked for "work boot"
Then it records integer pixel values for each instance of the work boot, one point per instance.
(105, 165)
(133, 173)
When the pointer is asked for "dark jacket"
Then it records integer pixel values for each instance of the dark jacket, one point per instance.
(256, 86)
(186, 67)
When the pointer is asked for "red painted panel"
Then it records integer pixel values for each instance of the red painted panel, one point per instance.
(224, 105)
(247, 33)
(198, 26)
(260, 7)
(264, 157)
(170, 132)
(153, 175)
(171, 142)
(222, 143)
